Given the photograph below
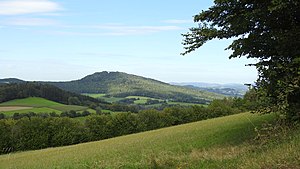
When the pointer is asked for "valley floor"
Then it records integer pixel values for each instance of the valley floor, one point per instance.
(225, 142)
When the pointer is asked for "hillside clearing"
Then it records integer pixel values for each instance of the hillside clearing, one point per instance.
(13, 108)
(31, 102)
(215, 143)
(36, 105)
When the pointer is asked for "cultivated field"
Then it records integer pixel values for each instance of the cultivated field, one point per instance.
(13, 108)
(36, 105)
(31, 102)
(225, 142)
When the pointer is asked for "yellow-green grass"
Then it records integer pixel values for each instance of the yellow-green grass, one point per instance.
(285, 154)
(216, 143)
(92, 111)
(141, 99)
(94, 95)
(12, 108)
(111, 99)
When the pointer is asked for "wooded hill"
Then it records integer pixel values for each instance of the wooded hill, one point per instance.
(118, 84)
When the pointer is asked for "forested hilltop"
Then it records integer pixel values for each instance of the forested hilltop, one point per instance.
(119, 84)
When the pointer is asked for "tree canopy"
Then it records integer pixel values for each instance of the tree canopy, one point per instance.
(268, 31)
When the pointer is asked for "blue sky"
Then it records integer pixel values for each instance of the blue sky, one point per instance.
(60, 40)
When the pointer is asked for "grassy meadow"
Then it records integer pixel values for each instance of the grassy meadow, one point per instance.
(31, 102)
(225, 142)
(36, 105)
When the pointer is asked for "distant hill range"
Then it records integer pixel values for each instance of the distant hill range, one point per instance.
(11, 80)
(230, 89)
(120, 84)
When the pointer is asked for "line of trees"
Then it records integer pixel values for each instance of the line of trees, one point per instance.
(71, 114)
(30, 133)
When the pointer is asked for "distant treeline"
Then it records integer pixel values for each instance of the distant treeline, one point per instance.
(175, 96)
(70, 114)
(34, 89)
(30, 133)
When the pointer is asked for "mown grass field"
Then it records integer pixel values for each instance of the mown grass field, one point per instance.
(31, 102)
(141, 99)
(94, 95)
(224, 142)
(37, 105)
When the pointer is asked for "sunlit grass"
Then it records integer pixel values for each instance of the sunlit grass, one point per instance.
(216, 143)
(95, 95)
(31, 102)
(40, 105)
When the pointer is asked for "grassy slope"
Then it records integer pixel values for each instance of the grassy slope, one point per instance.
(216, 143)
(40, 105)
(94, 95)
(31, 102)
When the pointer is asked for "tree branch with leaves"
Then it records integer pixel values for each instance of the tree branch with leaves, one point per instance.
(268, 31)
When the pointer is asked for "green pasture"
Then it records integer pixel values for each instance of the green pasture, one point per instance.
(224, 142)
(90, 110)
(94, 95)
(31, 102)
(141, 99)
(40, 105)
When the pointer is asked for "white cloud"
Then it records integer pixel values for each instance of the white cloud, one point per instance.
(31, 22)
(178, 21)
(19, 7)
(118, 29)
(113, 30)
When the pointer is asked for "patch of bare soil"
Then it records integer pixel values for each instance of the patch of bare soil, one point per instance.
(13, 108)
